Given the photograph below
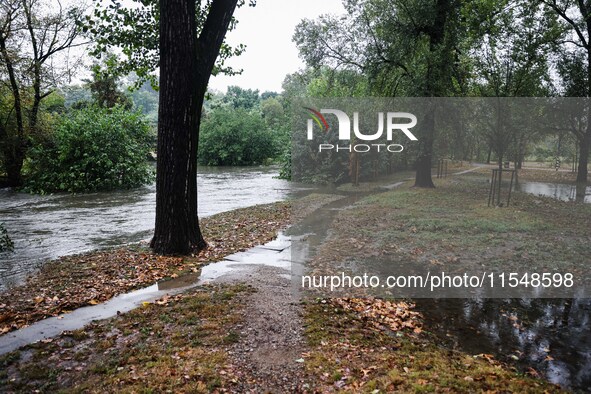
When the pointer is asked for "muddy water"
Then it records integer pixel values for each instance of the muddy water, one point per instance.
(46, 227)
(559, 191)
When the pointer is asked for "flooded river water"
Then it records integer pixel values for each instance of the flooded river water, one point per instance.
(46, 227)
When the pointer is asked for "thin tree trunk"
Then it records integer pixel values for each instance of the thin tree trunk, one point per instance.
(582, 171)
(424, 161)
(15, 151)
(584, 146)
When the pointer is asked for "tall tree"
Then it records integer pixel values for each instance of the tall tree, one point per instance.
(512, 41)
(576, 18)
(104, 85)
(405, 48)
(185, 40)
(33, 34)
(186, 63)
(437, 80)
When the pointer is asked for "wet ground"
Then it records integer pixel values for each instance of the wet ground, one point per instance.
(275, 254)
(551, 336)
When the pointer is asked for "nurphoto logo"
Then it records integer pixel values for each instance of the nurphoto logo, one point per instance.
(393, 123)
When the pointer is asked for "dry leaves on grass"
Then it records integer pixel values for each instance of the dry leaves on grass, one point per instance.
(88, 280)
(383, 314)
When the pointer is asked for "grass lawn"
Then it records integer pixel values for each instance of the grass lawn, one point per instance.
(451, 228)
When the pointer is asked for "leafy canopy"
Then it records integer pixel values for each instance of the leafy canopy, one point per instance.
(134, 30)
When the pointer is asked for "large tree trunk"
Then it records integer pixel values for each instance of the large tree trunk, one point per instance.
(436, 73)
(186, 62)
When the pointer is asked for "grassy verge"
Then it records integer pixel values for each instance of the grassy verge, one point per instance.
(358, 352)
(173, 345)
(451, 228)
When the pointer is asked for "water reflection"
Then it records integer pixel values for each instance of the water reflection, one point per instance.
(46, 227)
(553, 336)
(559, 191)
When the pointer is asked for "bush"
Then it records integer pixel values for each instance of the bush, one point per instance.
(235, 137)
(285, 170)
(92, 149)
(6, 243)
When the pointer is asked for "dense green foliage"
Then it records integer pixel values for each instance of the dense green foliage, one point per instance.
(235, 137)
(35, 36)
(394, 48)
(6, 243)
(243, 127)
(92, 149)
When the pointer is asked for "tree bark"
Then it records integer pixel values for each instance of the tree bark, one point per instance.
(436, 73)
(584, 145)
(186, 63)
(585, 142)
(14, 148)
(424, 160)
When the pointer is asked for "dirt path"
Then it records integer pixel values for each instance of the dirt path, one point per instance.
(269, 351)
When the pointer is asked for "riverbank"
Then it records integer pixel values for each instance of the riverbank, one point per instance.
(91, 278)
(46, 227)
